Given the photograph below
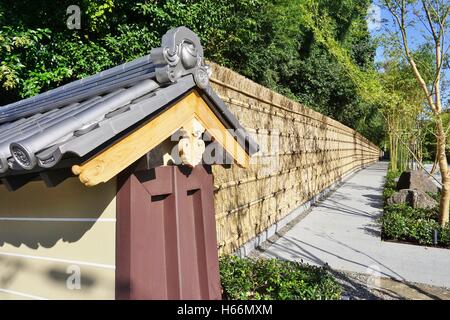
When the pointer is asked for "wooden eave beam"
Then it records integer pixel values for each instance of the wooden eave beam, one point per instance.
(110, 162)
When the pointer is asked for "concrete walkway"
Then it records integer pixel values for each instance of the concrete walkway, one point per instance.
(343, 231)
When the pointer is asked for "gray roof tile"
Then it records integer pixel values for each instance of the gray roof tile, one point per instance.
(75, 119)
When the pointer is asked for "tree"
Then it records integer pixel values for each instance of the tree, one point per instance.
(434, 15)
(402, 110)
(340, 33)
(270, 42)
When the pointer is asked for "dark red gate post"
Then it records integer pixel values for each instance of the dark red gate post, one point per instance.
(166, 235)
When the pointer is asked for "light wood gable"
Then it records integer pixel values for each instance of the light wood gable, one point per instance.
(111, 161)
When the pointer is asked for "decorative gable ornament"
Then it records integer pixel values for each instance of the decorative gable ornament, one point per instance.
(180, 53)
(191, 146)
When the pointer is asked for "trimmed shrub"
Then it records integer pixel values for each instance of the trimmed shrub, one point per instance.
(421, 230)
(444, 236)
(411, 213)
(390, 184)
(387, 193)
(394, 226)
(273, 279)
(401, 222)
(390, 179)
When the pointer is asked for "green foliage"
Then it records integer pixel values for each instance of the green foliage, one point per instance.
(387, 193)
(14, 41)
(429, 141)
(112, 32)
(390, 184)
(403, 223)
(98, 12)
(272, 279)
(417, 74)
(403, 109)
(391, 177)
(314, 49)
(411, 213)
(274, 43)
(436, 196)
(444, 236)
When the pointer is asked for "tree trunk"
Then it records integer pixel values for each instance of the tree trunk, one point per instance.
(394, 155)
(435, 164)
(443, 166)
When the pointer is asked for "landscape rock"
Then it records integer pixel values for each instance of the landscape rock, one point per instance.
(415, 198)
(417, 180)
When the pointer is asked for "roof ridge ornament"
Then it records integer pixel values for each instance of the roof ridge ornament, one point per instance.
(180, 53)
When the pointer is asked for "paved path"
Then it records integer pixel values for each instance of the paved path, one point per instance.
(343, 231)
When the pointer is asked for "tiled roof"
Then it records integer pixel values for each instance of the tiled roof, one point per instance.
(65, 125)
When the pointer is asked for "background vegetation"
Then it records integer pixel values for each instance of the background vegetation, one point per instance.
(294, 47)
(318, 52)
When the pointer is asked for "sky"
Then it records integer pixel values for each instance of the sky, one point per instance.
(381, 22)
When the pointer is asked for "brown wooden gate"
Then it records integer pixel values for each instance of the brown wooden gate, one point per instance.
(166, 235)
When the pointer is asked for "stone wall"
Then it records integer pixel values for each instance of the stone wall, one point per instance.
(303, 153)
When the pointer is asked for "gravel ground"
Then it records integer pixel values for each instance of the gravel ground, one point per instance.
(359, 286)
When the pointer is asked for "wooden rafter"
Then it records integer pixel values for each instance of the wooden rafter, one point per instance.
(132, 147)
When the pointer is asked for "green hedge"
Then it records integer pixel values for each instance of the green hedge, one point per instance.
(273, 279)
(402, 223)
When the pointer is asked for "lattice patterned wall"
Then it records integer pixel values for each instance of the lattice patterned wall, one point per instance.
(309, 153)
